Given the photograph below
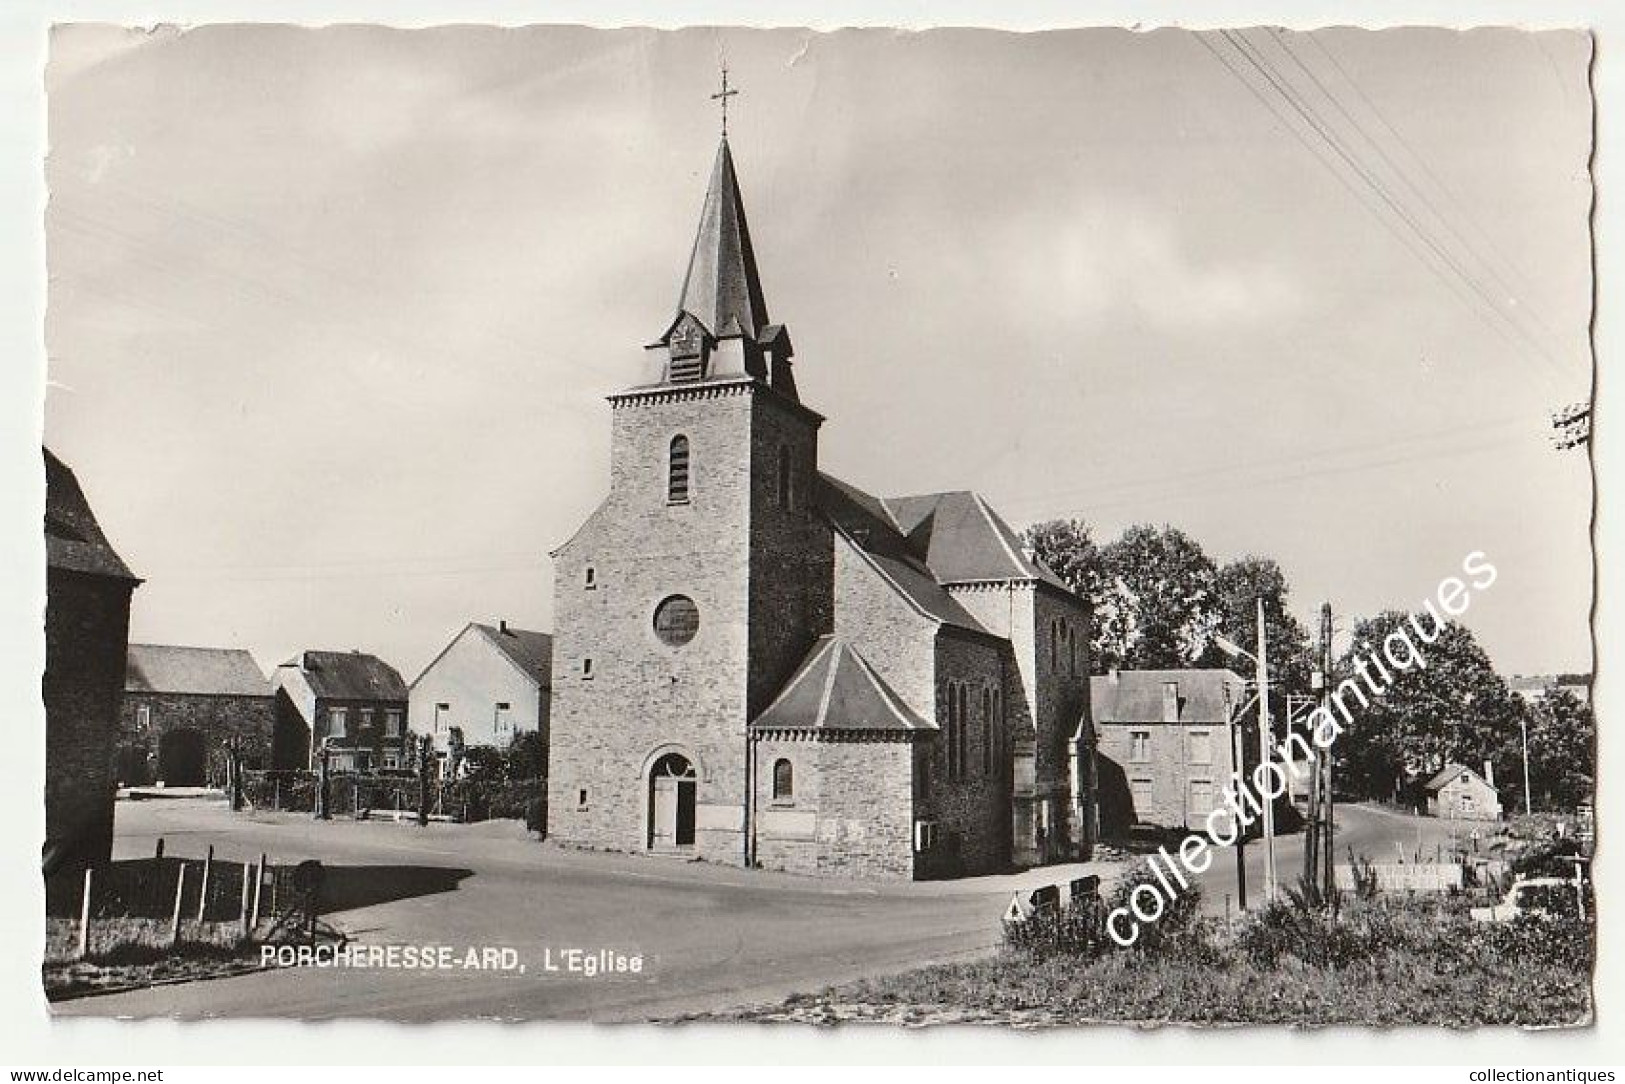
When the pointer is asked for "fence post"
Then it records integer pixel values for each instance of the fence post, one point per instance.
(175, 919)
(159, 853)
(203, 889)
(84, 918)
(259, 887)
(243, 915)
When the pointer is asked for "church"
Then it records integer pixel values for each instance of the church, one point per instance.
(758, 664)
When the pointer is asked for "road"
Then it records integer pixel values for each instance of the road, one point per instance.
(1370, 831)
(711, 936)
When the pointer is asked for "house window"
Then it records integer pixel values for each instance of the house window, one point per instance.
(1170, 701)
(1139, 746)
(783, 781)
(335, 722)
(438, 708)
(498, 722)
(390, 763)
(1201, 747)
(586, 669)
(677, 473)
(143, 717)
(592, 577)
(785, 477)
(1140, 791)
(392, 724)
(366, 719)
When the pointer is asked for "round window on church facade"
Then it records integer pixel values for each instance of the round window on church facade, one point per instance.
(677, 620)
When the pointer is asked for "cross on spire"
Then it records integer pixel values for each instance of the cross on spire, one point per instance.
(722, 96)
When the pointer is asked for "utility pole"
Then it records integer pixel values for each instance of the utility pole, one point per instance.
(1264, 751)
(1328, 806)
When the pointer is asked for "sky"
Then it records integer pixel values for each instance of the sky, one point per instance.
(333, 312)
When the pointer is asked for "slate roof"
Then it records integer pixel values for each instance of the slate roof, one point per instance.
(1449, 772)
(199, 671)
(350, 675)
(531, 651)
(866, 521)
(835, 689)
(74, 541)
(964, 540)
(1135, 696)
(722, 288)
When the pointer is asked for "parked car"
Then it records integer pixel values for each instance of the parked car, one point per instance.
(1537, 896)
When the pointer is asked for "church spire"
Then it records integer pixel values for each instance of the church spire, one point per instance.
(722, 289)
(721, 327)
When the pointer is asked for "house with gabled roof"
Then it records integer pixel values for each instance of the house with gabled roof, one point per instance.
(185, 707)
(87, 625)
(1457, 792)
(1166, 747)
(757, 663)
(489, 684)
(348, 703)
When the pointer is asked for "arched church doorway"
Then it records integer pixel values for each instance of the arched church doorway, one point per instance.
(181, 758)
(673, 789)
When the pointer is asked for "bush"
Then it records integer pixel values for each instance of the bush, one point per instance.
(469, 799)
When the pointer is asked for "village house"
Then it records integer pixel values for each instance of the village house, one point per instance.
(349, 703)
(87, 625)
(1164, 746)
(1458, 793)
(757, 663)
(183, 707)
(489, 684)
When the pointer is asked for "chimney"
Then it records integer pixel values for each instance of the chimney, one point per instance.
(1489, 773)
(1113, 675)
(502, 626)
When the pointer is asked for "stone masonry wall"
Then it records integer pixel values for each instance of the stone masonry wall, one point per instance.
(643, 697)
(852, 811)
(218, 719)
(87, 623)
(972, 810)
(792, 590)
(1164, 777)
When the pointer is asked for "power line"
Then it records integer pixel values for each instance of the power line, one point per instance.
(1400, 173)
(1282, 86)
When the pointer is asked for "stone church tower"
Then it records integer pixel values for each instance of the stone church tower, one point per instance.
(757, 663)
(702, 580)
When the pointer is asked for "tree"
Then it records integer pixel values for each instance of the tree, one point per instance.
(1562, 750)
(1455, 708)
(1168, 589)
(1238, 586)
(524, 755)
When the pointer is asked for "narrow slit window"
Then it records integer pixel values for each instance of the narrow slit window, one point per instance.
(784, 783)
(786, 477)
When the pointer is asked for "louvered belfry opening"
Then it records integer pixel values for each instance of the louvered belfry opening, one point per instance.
(677, 476)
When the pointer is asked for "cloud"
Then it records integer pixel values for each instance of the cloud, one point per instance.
(1133, 263)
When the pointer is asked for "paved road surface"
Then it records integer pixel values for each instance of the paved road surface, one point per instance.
(712, 936)
(1370, 831)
